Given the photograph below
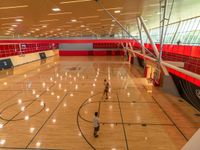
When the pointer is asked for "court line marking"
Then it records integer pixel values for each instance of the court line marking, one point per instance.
(20, 91)
(16, 75)
(26, 106)
(36, 100)
(122, 119)
(13, 104)
(30, 148)
(77, 120)
(10, 98)
(127, 123)
(63, 98)
(170, 119)
(57, 106)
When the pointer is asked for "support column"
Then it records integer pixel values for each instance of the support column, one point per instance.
(148, 35)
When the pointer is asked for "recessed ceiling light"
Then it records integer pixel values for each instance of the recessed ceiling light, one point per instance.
(2, 141)
(112, 25)
(113, 8)
(18, 20)
(49, 20)
(11, 29)
(87, 29)
(7, 18)
(88, 17)
(117, 11)
(44, 26)
(37, 29)
(38, 144)
(74, 20)
(82, 26)
(56, 9)
(11, 7)
(75, 1)
(61, 13)
(14, 25)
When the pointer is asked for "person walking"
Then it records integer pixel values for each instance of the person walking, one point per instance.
(96, 124)
(106, 89)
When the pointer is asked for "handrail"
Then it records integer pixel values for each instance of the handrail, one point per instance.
(186, 72)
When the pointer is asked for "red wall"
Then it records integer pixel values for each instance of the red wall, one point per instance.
(7, 50)
(184, 53)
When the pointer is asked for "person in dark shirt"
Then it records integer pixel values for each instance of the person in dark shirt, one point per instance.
(106, 89)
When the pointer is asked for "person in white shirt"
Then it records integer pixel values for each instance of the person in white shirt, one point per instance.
(96, 124)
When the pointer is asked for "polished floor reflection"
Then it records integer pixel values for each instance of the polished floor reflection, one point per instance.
(50, 105)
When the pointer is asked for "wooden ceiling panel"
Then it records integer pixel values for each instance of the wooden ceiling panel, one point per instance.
(38, 13)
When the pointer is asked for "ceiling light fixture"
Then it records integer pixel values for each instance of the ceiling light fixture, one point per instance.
(56, 9)
(74, 20)
(18, 20)
(14, 25)
(12, 7)
(75, 1)
(61, 13)
(49, 20)
(88, 17)
(117, 11)
(12, 18)
(114, 8)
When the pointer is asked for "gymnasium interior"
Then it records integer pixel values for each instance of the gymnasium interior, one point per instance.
(56, 54)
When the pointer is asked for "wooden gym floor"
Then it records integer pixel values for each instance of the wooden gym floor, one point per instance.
(50, 105)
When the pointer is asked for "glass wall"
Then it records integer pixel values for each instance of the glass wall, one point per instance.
(183, 32)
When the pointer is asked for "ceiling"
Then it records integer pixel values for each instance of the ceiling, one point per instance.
(82, 17)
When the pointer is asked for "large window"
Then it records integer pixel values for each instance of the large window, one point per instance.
(186, 32)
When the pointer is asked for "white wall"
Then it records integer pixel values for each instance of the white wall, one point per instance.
(19, 60)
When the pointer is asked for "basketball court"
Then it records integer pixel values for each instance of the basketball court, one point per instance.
(50, 105)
